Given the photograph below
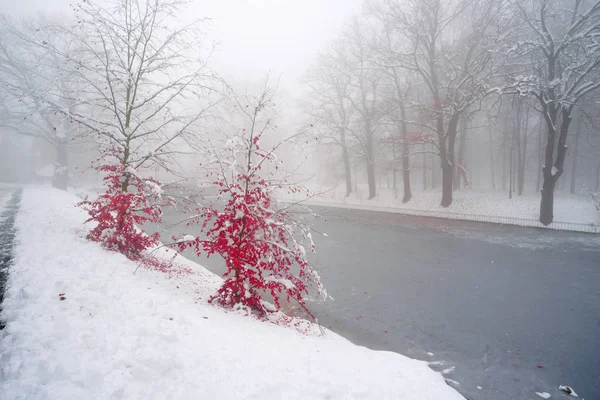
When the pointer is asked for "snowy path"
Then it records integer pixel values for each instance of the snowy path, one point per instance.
(494, 302)
(9, 206)
(571, 212)
(80, 325)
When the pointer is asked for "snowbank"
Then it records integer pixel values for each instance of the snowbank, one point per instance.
(46, 172)
(576, 209)
(4, 186)
(117, 335)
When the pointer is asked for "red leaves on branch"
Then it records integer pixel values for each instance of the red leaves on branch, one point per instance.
(128, 201)
(262, 246)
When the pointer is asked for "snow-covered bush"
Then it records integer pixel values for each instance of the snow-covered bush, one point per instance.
(128, 202)
(264, 247)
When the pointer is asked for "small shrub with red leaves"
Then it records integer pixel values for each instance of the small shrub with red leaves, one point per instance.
(264, 247)
(128, 202)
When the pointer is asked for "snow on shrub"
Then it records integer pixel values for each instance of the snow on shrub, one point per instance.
(264, 247)
(128, 202)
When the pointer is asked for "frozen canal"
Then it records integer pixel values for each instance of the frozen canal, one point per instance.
(503, 312)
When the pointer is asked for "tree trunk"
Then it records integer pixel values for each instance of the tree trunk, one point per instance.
(406, 179)
(371, 180)
(575, 155)
(126, 177)
(458, 172)
(394, 171)
(522, 126)
(504, 153)
(371, 167)
(424, 167)
(355, 178)
(597, 177)
(492, 165)
(522, 168)
(60, 179)
(540, 157)
(547, 203)
(405, 154)
(510, 173)
(447, 174)
(447, 158)
(553, 171)
(433, 172)
(346, 159)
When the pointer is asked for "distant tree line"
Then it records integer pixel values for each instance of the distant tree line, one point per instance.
(453, 93)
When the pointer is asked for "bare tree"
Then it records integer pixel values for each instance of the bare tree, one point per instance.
(560, 48)
(399, 83)
(29, 75)
(145, 89)
(401, 92)
(356, 56)
(329, 85)
(453, 61)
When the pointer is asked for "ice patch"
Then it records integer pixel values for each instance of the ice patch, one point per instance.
(448, 370)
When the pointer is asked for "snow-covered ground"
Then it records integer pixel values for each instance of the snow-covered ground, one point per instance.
(577, 209)
(10, 186)
(82, 325)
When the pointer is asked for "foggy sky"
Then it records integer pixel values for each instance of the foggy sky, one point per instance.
(254, 36)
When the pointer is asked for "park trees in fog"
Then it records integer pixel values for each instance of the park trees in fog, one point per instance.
(559, 46)
(329, 88)
(365, 97)
(454, 64)
(34, 83)
(501, 75)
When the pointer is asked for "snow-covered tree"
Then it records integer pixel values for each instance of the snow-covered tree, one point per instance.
(559, 47)
(264, 245)
(144, 85)
(145, 92)
(450, 46)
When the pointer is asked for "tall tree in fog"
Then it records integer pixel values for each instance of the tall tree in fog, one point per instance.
(145, 86)
(401, 86)
(400, 140)
(355, 55)
(329, 85)
(144, 93)
(450, 46)
(560, 51)
(31, 77)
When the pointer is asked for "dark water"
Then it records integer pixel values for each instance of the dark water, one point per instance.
(503, 311)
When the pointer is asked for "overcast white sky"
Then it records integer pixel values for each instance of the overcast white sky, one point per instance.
(254, 36)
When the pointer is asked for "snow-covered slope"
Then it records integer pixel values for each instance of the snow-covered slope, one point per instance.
(119, 335)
